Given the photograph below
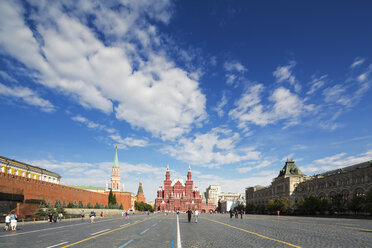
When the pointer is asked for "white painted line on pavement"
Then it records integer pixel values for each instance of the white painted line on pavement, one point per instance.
(124, 224)
(178, 234)
(57, 244)
(47, 229)
(127, 243)
(155, 224)
(145, 231)
(100, 232)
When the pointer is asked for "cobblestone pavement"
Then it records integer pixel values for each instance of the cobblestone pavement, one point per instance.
(213, 230)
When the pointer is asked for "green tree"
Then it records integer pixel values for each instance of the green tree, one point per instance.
(70, 205)
(356, 204)
(64, 204)
(338, 203)
(368, 202)
(121, 206)
(57, 204)
(97, 206)
(41, 210)
(89, 205)
(112, 199)
(80, 204)
(279, 204)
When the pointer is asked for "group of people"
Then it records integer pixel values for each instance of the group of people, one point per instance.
(53, 218)
(236, 213)
(196, 214)
(92, 215)
(11, 221)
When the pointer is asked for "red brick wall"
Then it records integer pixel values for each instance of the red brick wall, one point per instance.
(36, 189)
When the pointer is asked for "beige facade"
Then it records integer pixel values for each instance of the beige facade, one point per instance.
(13, 167)
(293, 184)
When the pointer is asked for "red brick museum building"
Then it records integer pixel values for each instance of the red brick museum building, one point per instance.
(177, 195)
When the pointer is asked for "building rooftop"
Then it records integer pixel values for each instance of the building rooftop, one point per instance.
(17, 163)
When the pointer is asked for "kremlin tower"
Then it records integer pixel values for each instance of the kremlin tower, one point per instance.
(115, 175)
(140, 195)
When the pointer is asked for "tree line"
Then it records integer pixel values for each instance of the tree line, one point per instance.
(314, 205)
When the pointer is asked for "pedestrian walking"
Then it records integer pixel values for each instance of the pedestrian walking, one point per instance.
(7, 222)
(13, 221)
(236, 214)
(60, 215)
(50, 217)
(241, 214)
(231, 214)
(101, 214)
(189, 213)
(196, 216)
(92, 215)
(82, 215)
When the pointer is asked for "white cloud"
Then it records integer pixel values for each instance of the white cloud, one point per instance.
(234, 66)
(122, 143)
(317, 83)
(337, 161)
(234, 72)
(212, 149)
(220, 105)
(285, 106)
(6, 76)
(357, 62)
(125, 73)
(284, 73)
(28, 96)
(262, 164)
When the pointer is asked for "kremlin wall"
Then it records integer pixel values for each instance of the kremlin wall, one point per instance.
(17, 190)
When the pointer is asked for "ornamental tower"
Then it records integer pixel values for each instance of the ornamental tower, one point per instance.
(140, 195)
(115, 175)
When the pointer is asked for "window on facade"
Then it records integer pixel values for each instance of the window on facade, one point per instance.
(362, 180)
(16, 172)
(23, 174)
(28, 175)
(2, 169)
(10, 171)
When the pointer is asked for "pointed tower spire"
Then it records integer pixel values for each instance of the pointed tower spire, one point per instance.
(167, 173)
(189, 173)
(116, 161)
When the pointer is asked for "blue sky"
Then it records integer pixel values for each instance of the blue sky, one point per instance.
(234, 87)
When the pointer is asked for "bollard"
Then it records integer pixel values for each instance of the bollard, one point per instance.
(34, 219)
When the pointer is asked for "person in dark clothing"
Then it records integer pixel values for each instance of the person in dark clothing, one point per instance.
(189, 213)
(50, 217)
(231, 214)
(241, 214)
(236, 214)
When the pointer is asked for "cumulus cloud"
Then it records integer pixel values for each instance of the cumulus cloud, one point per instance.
(26, 95)
(212, 149)
(260, 165)
(285, 106)
(126, 72)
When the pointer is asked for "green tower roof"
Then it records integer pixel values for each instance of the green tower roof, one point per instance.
(290, 169)
(116, 161)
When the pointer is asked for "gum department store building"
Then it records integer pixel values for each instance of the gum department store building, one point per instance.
(293, 184)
